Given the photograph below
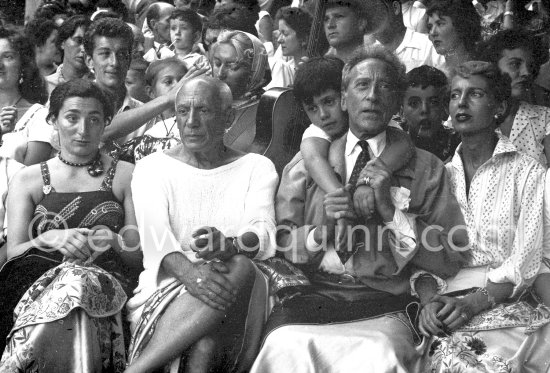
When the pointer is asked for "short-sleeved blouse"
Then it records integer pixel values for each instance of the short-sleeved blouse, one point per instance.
(31, 127)
(531, 125)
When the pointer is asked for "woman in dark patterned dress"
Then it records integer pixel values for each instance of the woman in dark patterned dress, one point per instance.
(66, 257)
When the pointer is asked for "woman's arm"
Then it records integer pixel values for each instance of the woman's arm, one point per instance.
(20, 209)
(522, 260)
(458, 311)
(130, 120)
(126, 243)
(37, 151)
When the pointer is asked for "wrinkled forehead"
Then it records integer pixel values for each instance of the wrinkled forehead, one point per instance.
(199, 92)
(373, 68)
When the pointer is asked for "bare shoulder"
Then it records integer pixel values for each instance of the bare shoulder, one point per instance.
(28, 180)
(123, 175)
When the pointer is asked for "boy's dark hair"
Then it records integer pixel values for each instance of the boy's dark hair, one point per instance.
(189, 16)
(316, 76)
(111, 28)
(491, 50)
(39, 30)
(425, 76)
(298, 19)
(69, 27)
(354, 5)
(232, 17)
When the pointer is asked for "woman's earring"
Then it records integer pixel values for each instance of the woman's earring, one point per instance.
(498, 117)
(21, 78)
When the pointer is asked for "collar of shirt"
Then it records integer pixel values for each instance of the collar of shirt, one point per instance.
(504, 146)
(128, 103)
(376, 145)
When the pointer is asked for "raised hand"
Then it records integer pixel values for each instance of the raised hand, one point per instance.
(8, 118)
(379, 177)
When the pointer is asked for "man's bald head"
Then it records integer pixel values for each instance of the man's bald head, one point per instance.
(203, 113)
(157, 11)
(214, 88)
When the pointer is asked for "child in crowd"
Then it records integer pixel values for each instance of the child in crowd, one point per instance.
(135, 79)
(317, 88)
(424, 111)
(160, 78)
(185, 32)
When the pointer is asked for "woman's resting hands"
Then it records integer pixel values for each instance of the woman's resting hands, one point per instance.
(77, 244)
(444, 315)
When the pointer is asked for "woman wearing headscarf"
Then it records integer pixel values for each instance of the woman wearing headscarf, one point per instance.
(239, 59)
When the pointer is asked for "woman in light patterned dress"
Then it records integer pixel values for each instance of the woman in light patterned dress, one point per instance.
(520, 55)
(488, 320)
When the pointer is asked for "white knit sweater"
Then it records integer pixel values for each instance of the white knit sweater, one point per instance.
(172, 199)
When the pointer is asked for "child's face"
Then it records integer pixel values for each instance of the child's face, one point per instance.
(326, 113)
(135, 84)
(423, 109)
(181, 34)
(166, 79)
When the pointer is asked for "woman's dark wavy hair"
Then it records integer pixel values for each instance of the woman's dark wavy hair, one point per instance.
(80, 88)
(298, 19)
(69, 27)
(464, 16)
(491, 50)
(32, 86)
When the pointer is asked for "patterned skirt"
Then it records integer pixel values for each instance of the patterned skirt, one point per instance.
(68, 320)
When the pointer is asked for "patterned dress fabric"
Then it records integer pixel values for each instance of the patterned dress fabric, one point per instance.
(503, 214)
(73, 306)
(531, 125)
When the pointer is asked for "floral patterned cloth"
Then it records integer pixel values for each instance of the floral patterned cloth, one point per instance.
(499, 340)
(149, 144)
(86, 290)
